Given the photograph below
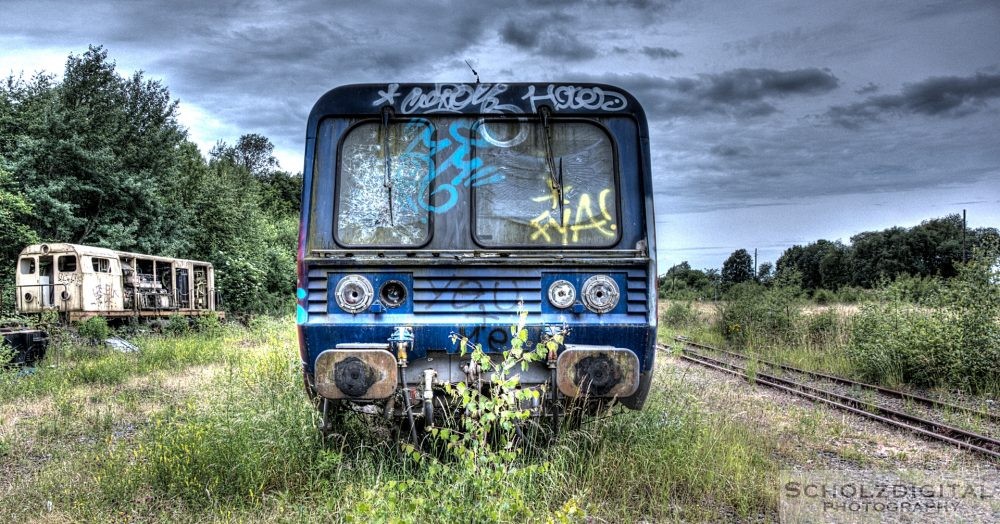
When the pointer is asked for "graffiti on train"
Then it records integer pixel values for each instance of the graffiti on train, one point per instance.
(485, 98)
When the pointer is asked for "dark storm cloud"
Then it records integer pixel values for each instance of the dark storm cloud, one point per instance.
(736, 164)
(660, 52)
(276, 62)
(641, 5)
(738, 92)
(938, 8)
(654, 52)
(525, 35)
(548, 36)
(867, 89)
(947, 96)
(725, 150)
(635, 4)
(795, 38)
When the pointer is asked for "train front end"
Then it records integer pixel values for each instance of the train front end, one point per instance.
(436, 211)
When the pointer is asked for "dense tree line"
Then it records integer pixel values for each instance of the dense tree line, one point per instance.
(934, 248)
(100, 159)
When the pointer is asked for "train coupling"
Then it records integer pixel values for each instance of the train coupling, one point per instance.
(597, 371)
(364, 371)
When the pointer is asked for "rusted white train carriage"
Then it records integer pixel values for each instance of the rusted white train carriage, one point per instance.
(85, 281)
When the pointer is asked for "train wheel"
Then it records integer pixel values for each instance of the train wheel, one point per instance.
(332, 419)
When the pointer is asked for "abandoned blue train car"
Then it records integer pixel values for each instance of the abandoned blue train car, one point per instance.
(432, 209)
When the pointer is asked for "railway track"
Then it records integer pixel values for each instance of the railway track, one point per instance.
(870, 406)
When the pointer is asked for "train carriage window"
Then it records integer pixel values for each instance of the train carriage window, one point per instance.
(27, 266)
(101, 265)
(67, 263)
(556, 185)
(384, 185)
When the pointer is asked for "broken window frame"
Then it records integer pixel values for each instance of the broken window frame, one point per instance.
(101, 265)
(63, 268)
(488, 243)
(341, 176)
(31, 266)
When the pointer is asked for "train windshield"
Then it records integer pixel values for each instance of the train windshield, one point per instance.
(533, 184)
(554, 185)
(384, 169)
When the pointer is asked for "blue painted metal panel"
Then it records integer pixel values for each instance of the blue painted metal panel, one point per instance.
(377, 279)
(493, 336)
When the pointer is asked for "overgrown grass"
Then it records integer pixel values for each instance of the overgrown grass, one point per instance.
(914, 332)
(775, 324)
(242, 446)
(70, 362)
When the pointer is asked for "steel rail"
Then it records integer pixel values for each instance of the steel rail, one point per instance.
(995, 417)
(962, 438)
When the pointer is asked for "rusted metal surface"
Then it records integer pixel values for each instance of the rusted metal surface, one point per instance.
(356, 374)
(80, 281)
(28, 345)
(597, 371)
(938, 431)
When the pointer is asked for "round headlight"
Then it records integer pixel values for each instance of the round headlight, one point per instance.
(354, 293)
(392, 293)
(600, 293)
(65, 295)
(28, 297)
(562, 294)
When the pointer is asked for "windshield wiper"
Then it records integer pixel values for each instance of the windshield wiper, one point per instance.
(555, 177)
(387, 157)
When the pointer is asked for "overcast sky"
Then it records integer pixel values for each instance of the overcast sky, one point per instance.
(772, 122)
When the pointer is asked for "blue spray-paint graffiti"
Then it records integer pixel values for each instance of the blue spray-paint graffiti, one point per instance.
(300, 312)
(458, 166)
(457, 151)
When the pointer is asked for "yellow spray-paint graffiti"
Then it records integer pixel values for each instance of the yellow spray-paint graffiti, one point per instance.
(576, 218)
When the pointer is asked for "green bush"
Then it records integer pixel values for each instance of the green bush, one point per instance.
(894, 343)
(754, 316)
(6, 354)
(823, 296)
(851, 294)
(823, 328)
(914, 289)
(208, 324)
(680, 314)
(94, 329)
(177, 325)
(951, 340)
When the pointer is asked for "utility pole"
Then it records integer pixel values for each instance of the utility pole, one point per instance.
(964, 258)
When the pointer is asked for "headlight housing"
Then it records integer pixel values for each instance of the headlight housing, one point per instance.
(600, 293)
(392, 294)
(562, 294)
(354, 293)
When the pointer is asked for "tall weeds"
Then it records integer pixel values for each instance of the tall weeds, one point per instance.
(242, 446)
(950, 339)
